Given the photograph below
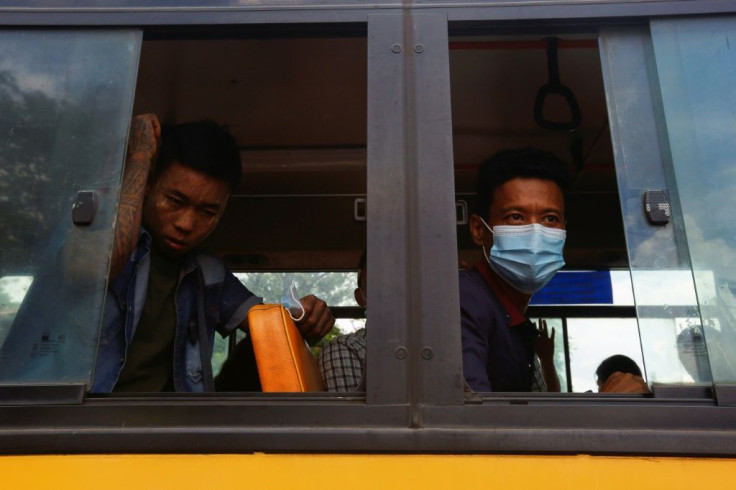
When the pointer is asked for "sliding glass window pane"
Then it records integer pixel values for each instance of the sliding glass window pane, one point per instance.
(696, 63)
(661, 277)
(65, 103)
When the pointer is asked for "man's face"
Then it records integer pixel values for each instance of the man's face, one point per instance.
(521, 201)
(182, 207)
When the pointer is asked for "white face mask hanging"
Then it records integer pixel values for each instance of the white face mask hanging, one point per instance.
(291, 302)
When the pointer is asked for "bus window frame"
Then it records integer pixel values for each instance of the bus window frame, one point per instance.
(415, 400)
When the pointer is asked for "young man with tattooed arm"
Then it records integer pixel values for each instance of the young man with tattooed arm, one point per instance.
(167, 297)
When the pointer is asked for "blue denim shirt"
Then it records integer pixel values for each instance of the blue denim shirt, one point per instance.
(226, 302)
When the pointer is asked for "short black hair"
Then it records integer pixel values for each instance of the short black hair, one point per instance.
(618, 362)
(505, 165)
(204, 146)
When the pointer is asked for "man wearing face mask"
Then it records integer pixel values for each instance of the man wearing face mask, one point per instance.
(519, 224)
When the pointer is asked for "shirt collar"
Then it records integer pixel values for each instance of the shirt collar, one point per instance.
(145, 242)
(144, 245)
(516, 317)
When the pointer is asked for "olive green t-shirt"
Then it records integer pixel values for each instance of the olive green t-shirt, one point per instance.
(149, 361)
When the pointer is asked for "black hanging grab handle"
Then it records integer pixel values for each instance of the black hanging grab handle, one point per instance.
(555, 87)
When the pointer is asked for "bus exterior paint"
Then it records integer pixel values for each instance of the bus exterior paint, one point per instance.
(340, 471)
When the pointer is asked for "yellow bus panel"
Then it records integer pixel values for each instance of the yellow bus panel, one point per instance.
(273, 471)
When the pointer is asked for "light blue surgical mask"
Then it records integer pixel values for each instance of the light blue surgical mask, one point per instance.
(527, 256)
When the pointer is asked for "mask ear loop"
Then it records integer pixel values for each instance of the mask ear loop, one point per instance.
(291, 303)
(486, 224)
(483, 247)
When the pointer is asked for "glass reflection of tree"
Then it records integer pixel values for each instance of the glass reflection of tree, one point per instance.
(29, 185)
(52, 146)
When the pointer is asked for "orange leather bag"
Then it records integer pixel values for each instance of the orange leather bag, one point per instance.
(285, 362)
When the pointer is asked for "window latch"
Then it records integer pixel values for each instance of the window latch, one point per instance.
(84, 208)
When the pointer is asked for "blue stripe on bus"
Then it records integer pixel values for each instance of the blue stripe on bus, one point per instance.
(576, 288)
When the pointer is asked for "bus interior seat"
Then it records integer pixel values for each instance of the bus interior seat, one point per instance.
(285, 362)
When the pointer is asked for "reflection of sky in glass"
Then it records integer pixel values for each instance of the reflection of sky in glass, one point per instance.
(14, 288)
(30, 78)
(34, 62)
(12, 291)
(33, 65)
(697, 69)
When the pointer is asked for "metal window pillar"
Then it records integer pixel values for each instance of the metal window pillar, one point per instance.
(412, 244)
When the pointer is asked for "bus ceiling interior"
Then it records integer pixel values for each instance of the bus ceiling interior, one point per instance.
(297, 108)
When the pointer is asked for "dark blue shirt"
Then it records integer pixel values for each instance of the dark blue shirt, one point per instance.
(498, 353)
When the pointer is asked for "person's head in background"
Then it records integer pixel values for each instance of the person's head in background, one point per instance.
(360, 292)
(616, 363)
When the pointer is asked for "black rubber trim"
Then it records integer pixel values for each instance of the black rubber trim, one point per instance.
(67, 394)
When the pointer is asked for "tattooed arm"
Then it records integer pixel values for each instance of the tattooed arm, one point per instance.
(142, 146)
